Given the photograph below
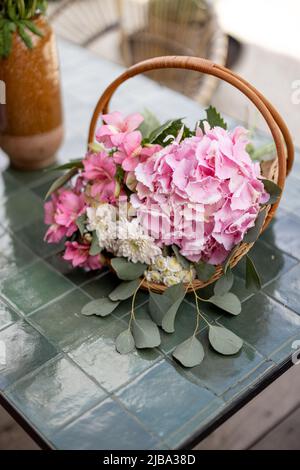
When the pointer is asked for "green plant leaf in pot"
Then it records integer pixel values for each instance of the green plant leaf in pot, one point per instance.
(224, 341)
(190, 353)
(146, 334)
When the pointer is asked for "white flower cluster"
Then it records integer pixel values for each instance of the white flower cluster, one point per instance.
(167, 270)
(121, 237)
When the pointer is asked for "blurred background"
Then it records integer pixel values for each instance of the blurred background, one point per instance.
(260, 40)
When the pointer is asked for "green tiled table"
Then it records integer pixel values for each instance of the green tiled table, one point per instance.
(63, 378)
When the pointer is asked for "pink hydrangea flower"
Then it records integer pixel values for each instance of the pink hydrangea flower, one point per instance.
(99, 171)
(78, 255)
(213, 174)
(116, 127)
(61, 214)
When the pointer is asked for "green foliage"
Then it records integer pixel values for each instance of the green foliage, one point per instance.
(190, 353)
(254, 232)
(125, 342)
(61, 181)
(162, 135)
(204, 271)
(100, 307)
(273, 190)
(126, 270)
(252, 277)
(124, 291)
(213, 118)
(145, 334)
(224, 341)
(16, 16)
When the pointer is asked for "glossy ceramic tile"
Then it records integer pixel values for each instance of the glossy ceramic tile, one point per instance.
(25, 350)
(219, 373)
(163, 399)
(98, 357)
(76, 275)
(286, 289)
(63, 323)
(34, 287)
(284, 233)
(54, 395)
(32, 235)
(8, 184)
(7, 315)
(264, 323)
(14, 255)
(20, 208)
(101, 286)
(106, 427)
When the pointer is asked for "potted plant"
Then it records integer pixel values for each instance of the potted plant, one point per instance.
(31, 130)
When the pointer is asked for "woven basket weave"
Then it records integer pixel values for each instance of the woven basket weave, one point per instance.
(276, 171)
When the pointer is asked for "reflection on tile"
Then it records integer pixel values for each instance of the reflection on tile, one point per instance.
(34, 286)
(269, 262)
(7, 315)
(14, 255)
(25, 349)
(291, 195)
(8, 184)
(218, 372)
(284, 234)
(101, 286)
(264, 323)
(55, 395)
(163, 399)
(286, 289)
(32, 235)
(21, 208)
(63, 323)
(76, 275)
(98, 357)
(106, 427)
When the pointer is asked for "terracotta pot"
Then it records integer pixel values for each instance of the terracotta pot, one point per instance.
(31, 128)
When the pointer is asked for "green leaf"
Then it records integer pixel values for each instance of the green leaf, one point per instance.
(80, 222)
(100, 307)
(224, 284)
(175, 296)
(32, 27)
(24, 36)
(228, 302)
(252, 277)
(67, 166)
(169, 128)
(6, 39)
(254, 232)
(146, 334)
(190, 353)
(204, 271)
(158, 306)
(229, 258)
(273, 190)
(61, 181)
(124, 291)
(126, 270)
(95, 248)
(181, 259)
(149, 124)
(213, 118)
(224, 341)
(125, 342)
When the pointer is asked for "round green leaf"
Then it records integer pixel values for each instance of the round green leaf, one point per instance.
(273, 190)
(224, 341)
(158, 306)
(224, 284)
(125, 342)
(124, 291)
(100, 307)
(228, 302)
(190, 353)
(126, 270)
(204, 271)
(252, 277)
(146, 334)
(254, 232)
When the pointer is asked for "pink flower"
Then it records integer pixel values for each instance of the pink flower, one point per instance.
(116, 127)
(100, 171)
(61, 214)
(79, 256)
(213, 175)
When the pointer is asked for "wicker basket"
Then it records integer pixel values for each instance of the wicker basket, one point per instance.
(275, 171)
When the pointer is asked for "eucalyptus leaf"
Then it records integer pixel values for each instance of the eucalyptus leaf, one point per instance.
(125, 342)
(80, 222)
(146, 334)
(158, 306)
(252, 277)
(181, 259)
(61, 181)
(229, 258)
(100, 307)
(254, 232)
(124, 291)
(224, 341)
(224, 284)
(228, 302)
(273, 190)
(95, 248)
(126, 270)
(204, 271)
(175, 296)
(190, 353)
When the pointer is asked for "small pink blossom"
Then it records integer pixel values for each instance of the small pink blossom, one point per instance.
(114, 131)
(79, 256)
(100, 171)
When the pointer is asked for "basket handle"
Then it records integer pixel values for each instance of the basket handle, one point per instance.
(278, 128)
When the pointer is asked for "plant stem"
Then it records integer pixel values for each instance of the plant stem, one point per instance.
(132, 315)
